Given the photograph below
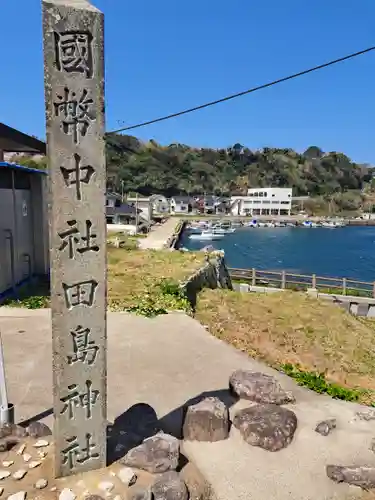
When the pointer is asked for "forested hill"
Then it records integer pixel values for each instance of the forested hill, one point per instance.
(177, 169)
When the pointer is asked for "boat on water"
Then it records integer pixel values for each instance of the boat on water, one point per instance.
(223, 230)
(309, 224)
(206, 235)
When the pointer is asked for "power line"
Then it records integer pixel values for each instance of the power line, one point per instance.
(239, 94)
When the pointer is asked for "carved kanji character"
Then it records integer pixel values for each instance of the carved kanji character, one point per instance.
(84, 349)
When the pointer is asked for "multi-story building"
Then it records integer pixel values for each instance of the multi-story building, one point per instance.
(263, 201)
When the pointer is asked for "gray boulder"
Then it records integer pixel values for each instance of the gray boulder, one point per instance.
(269, 426)
(207, 420)
(358, 476)
(38, 430)
(326, 426)
(139, 493)
(169, 486)
(14, 430)
(157, 454)
(258, 387)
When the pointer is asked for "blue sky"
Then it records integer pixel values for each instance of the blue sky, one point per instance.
(165, 56)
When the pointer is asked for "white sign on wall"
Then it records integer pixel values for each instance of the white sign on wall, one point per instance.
(24, 208)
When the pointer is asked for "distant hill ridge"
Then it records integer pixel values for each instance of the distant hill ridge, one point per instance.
(148, 167)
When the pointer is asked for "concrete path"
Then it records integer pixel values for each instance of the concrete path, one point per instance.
(167, 361)
(159, 235)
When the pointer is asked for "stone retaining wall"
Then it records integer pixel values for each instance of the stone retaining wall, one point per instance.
(358, 306)
(214, 274)
(175, 238)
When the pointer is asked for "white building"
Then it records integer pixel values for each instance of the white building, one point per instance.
(263, 201)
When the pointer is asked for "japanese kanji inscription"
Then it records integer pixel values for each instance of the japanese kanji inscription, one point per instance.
(74, 89)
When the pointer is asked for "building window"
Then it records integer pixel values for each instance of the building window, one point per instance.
(284, 202)
(266, 201)
(265, 194)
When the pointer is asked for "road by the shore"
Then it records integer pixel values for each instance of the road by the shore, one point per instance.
(159, 235)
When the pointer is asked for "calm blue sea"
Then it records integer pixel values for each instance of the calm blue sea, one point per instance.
(345, 252)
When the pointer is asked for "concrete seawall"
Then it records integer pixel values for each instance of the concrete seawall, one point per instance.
(358, 306)
(160, 236)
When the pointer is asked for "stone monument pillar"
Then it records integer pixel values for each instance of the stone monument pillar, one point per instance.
(74, 90)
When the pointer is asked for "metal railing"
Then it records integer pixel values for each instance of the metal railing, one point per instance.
(301, 282)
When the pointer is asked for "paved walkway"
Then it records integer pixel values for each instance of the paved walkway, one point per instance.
(159, 235)
(171, 359)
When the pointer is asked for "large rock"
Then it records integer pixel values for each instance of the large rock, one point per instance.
(207, 420)
(268, 426)
(38, 430)
(358, 476)
(169, 486)
(139, 493)
(258, 387)
(156, 454)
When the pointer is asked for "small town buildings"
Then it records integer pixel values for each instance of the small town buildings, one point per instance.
(181, 204)
(160, 204)
(145, 206)
(123, 216)
(263, 201)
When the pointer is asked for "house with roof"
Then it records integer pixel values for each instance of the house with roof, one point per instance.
(160, 204)
(124, 216)
(181, 204)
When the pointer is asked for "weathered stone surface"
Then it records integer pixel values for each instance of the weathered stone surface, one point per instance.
(4, 474)
(326, 426)
(127, 476)
(139, 493)
(372, 446)
(7, 430)
(41, 443)
(358, 476)
(268, 426)
(74, 89)
(19, 474)
(7, 444)
(169, 486)
(207, 420)
(20, 495)
(258, 387)
(156, 454)
(198, 487)
(366, 415)
(41, 484)
(106, 486)
(67, 494)
(93, 497)
(38, 430)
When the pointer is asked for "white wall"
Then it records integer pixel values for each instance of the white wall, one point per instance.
(263, 201)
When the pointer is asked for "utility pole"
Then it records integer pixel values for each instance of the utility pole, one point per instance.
(136, 213)
(122, 191)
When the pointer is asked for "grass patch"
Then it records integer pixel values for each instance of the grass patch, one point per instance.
(293, 329)
(144, 280)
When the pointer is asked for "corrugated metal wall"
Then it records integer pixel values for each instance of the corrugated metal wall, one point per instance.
(18, 229)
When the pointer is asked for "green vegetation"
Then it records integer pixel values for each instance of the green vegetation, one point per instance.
(302, 335)
(317, 382)
(161, 298)
(147, 282)
(149, 167)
